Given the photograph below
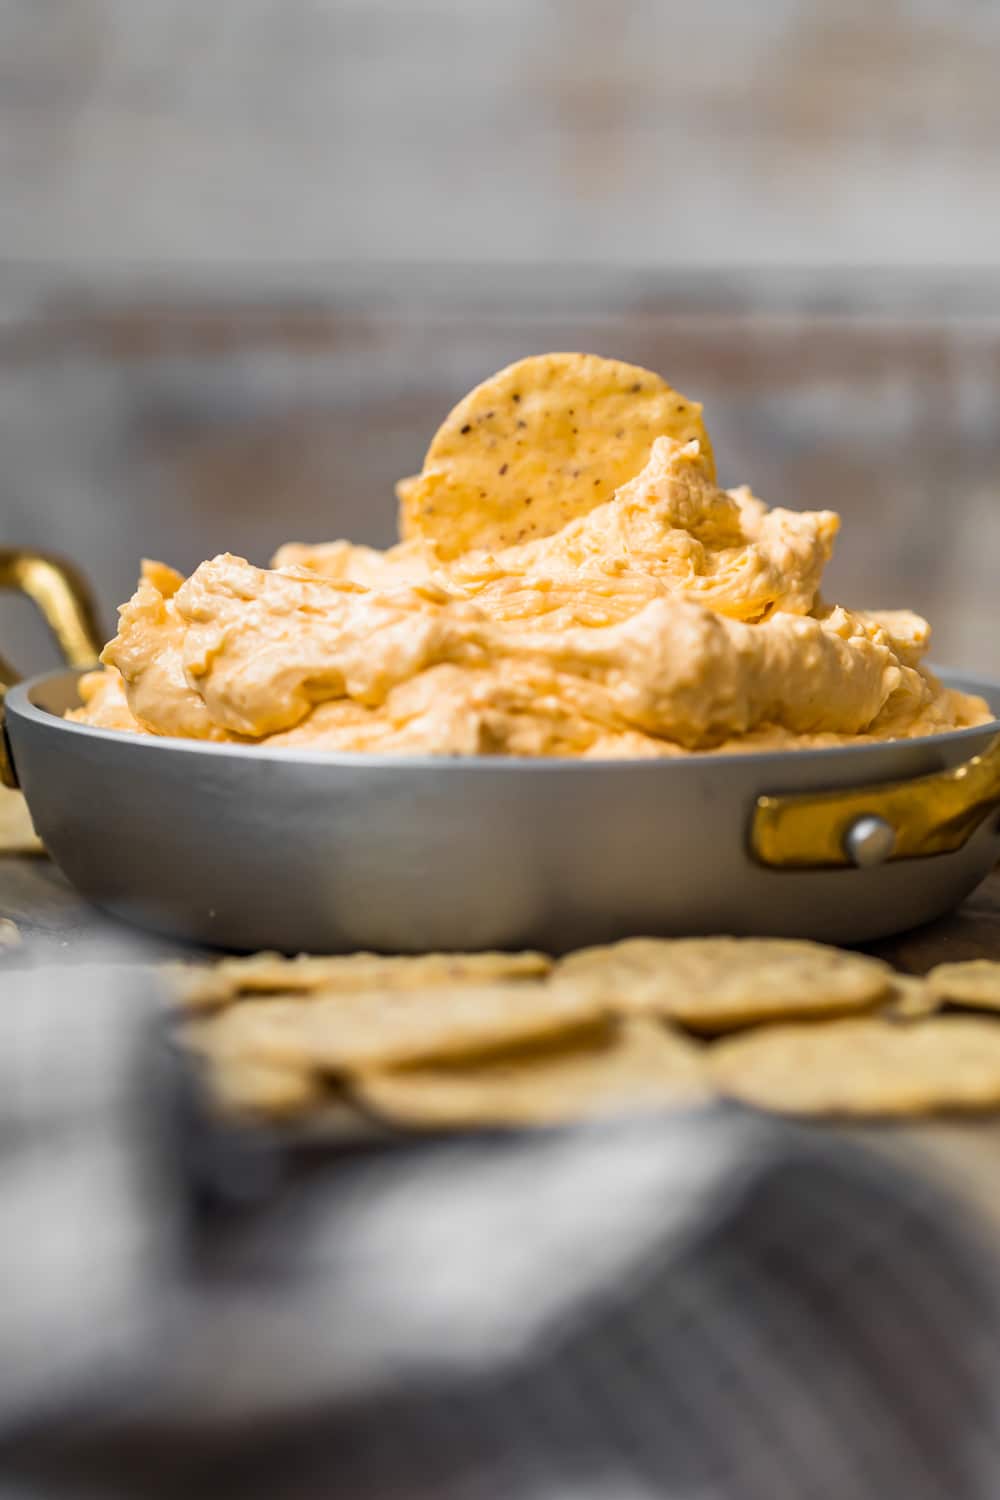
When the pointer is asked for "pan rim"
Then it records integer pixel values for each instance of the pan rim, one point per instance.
(20, 704)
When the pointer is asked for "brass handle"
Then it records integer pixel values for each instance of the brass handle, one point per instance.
(63, 597)
(867, 825)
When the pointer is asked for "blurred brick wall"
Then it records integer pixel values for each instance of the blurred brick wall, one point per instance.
(610, 131)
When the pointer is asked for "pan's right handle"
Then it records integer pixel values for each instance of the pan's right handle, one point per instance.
(865, 826)
(62, 595)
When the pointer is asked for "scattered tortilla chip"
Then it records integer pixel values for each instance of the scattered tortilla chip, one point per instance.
(909, 999)
(539, 443)
(452, 1041)
(717, 984)
(17, 836)
(245, 1086)
(975, 984)
(383, 1028)
(271, 974)
(863, 1067)
(10, 933)
(635, 1066)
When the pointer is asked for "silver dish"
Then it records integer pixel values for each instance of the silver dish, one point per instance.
(249, 848)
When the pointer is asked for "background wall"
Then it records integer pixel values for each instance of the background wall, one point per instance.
(626, 132)
(251, 252)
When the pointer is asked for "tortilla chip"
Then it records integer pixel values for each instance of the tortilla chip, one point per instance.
(633, 1067)
(383, 1028)
(863, 1067)
(539, 443)
(974, 984)
(17, 836)
(717, 984)
(246, 1086)
(270, 974)
(909, 999)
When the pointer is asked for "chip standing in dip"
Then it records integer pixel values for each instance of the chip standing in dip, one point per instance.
(571, 581)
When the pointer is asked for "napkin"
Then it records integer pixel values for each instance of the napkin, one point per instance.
(709, 1305)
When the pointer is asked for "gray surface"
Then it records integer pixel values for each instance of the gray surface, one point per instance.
(58, 926)
(252, 848)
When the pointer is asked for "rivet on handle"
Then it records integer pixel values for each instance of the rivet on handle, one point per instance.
(869, 841)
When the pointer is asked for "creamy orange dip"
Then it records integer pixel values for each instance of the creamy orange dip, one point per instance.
(674, 617)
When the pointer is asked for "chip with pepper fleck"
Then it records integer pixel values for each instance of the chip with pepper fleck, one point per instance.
(538, 444)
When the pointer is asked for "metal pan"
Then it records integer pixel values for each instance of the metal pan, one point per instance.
(248, 848)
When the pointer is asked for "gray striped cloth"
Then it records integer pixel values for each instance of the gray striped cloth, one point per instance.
(710, 1306)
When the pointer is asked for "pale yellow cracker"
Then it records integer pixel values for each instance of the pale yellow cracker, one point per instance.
(909, 999)
(636, 1066)
(975, 984)
(271, 974)
(538, 444)
(716, 984)
(10, 933)
(382, 1028)
(241, 1085)
(17, 836)
(864, 1066)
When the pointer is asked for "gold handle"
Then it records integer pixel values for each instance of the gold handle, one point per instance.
(64, 599)
(868, 825)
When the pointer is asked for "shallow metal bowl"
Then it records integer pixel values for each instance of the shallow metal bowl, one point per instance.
(249, 848)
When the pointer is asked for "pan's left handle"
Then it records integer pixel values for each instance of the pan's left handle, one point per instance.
(62, 595)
